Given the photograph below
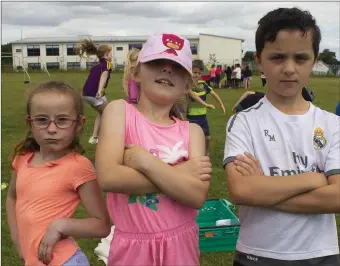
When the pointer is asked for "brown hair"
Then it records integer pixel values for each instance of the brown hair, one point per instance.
(179, 109)
(198, 64)
(29, 144)
(131, 57)
(88, 47)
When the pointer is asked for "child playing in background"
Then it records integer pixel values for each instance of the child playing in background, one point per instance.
(153, 164)
(247, 78)
(212, 72)
(238, 75)
(196, 112)
(288, 182)
(250, 98)
(97, 81)
(49, 180)
(228, 73)
(218, 72)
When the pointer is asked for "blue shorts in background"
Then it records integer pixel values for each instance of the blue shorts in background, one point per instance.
(337, 109)
(202, 121)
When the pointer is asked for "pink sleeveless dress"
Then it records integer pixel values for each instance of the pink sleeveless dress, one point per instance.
(153, 229)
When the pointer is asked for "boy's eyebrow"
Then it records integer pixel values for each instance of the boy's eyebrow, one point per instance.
(305, 54)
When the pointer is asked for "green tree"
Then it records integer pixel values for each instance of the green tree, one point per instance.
(248, 56)
(212, 59)
(328, 57)
(6, 50)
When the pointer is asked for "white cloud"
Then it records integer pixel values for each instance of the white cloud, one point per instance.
(44, 19)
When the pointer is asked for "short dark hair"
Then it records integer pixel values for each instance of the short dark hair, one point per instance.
(198, 64)
(286, 19)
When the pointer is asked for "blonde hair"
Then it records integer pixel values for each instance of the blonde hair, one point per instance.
(179, 109)
(88, 47)
(29, 144)
(129, 67)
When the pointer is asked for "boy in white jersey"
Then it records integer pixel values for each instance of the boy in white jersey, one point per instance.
(290, 192)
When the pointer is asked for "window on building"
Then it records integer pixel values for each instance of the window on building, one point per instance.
(89, 65)
(71, 49)
(135, 45)
(52, 65)
(18, 50)
(52, 50)
(33, 50)
(193, 48)
(119, 48)
(73, 65)
(34, 65)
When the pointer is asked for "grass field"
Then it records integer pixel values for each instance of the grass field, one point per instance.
(14, 129)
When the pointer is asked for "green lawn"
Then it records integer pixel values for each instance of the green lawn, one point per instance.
(14, 129)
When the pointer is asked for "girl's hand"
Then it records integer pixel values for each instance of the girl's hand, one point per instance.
(133, 155)
(210, 106)
(248, 165)
(99, 95)
(199, 167)
(51, 237)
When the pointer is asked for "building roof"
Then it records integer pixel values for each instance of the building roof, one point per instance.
(220, 36)
(93, 38)
(36, 40)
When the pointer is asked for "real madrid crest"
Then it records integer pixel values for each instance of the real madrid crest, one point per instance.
(319, 140)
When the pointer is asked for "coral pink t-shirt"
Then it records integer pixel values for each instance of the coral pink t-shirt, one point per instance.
(44, 193)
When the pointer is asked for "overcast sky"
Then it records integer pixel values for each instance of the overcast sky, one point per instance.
(54, 19)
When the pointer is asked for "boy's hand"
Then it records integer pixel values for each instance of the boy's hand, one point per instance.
(50, 239)
(210, 106)
(248, 165)
(223, 108)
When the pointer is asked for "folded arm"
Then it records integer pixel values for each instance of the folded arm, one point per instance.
(266, 191)
(325, 199)
(112, 174)
(177, 182)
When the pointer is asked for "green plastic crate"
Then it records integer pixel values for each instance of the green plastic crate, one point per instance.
(217, 238)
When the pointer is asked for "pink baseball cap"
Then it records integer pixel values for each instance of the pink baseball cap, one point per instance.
(167, 46)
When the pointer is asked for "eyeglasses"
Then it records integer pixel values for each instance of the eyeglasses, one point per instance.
(60, 122)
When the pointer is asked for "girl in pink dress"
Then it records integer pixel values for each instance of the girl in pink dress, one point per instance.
(152, 164)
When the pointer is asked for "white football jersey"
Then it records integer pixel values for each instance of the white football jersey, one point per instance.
(286, 145)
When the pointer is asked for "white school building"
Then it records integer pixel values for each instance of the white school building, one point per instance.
(57, 52)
